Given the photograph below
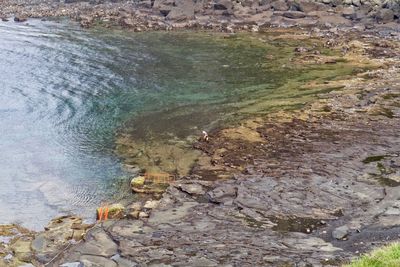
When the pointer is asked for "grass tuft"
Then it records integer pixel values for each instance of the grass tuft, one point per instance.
(388, 256)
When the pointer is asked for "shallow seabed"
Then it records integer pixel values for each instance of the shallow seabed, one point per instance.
(68, 96)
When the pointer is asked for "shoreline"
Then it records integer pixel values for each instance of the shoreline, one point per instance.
(378, 17)
(340, 133)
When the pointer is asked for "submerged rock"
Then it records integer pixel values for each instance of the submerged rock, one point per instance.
(141, 184)
(20, 18)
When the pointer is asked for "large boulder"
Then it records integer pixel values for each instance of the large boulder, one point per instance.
(164, 6)
(384, 15)
(280, 5)
(182, 10)
(223, 5)
(308, 6)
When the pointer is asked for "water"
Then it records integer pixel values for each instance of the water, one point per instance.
(67, 93)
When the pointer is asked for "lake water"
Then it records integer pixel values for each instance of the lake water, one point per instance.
(66, 93)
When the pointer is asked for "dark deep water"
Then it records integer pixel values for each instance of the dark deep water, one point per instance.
(65, 92)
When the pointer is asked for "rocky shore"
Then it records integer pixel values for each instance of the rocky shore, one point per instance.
(223, 15)
(309, 187)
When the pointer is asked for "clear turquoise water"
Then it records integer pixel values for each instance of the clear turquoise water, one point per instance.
(66, 92)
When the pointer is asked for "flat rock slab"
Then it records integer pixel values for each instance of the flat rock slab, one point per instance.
(98, 243)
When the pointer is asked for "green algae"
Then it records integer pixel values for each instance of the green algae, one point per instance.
(248, 75)
(374, 158)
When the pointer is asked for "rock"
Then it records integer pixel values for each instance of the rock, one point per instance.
(115, 211)
(349, 12)
(22, 250)
(182, 11)
(72, 264)
(123, 262)
(20, 18)
(58, 233)
(335, 20)
(192, 189)
(279, 5)
(164, 6)
(126, 228)
(133, 214)
(135, 206)
(294, 14)
(97, 261)
(308, 6)
(384, 15)
(222, 194)
(301, 49)
(98, 243)
(140, 184)
(151, 204)
(4, 19)
(340, 232)
(143, 214)
(145, 4)
(223, 5)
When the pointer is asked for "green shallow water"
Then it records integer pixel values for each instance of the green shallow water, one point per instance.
(68, 94)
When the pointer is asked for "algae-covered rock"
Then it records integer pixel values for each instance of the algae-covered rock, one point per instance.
(140, 184)
(114, 211)
(22, 250)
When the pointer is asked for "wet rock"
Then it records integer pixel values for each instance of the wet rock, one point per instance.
(4, 19)
(20, 18)
(340, 232)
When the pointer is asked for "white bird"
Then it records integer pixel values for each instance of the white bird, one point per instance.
(205, 136)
